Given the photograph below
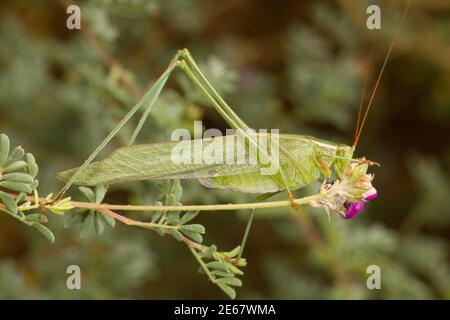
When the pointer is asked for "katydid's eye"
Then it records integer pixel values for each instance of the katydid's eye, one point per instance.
(352, 209)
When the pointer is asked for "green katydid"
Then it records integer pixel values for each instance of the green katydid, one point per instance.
(301, 159)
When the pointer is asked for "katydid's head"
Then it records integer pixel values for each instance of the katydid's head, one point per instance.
(349, 192)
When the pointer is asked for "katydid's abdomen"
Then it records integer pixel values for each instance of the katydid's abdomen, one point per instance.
(219, 165)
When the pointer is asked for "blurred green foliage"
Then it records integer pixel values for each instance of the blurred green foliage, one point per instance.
(294, 65)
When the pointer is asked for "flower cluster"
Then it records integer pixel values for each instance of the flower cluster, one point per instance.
(347, 195)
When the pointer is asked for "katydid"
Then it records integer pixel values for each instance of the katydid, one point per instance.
(301, 159)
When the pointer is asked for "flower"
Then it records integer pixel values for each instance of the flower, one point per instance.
(347, 195)
(369, 195)
(352, 209)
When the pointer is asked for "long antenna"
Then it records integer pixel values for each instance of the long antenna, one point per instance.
(369, 105)
(364, 89)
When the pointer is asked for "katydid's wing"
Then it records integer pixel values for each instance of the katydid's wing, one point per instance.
(168, 160)
(213, 161)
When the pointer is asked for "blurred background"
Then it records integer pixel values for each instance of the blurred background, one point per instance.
(294, 65)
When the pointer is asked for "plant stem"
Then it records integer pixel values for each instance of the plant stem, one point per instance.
(202, 264)
(212, 207)
(150, 226)
(246, 233)
(15, 216)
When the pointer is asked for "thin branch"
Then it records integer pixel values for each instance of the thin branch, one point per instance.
(213, 207)
(151, 226)
(202, 264)
(4, 210)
